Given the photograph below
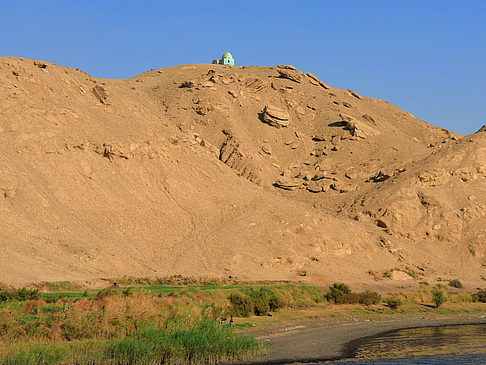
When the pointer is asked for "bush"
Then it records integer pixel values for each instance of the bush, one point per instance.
(366, 298)
(393, 303)
(438, 297)
(337, 290)
(240, 306)
(480, 296)
(455, 283)
(19, 294)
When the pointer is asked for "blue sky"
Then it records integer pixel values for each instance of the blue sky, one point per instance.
(427, 57)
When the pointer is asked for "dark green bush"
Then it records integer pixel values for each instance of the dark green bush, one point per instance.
(455, 283)
(393, 303)
(366, 298)
(240, 306)
(369, 298)
(337, 290)
(19, 294)
(480, 296)
(438, 297)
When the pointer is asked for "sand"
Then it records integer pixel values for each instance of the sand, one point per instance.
(258, 173)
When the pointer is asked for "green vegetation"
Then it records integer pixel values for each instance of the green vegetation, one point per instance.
(455, 283)
(340, 293)
(206, 341)
(438, 297)
(480, 296)
(18, 294)
(393, 303)
(178, 324)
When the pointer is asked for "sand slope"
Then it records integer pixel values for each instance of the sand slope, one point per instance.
(255, 172)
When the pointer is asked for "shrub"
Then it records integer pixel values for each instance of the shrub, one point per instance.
(366, 298)
(337, 290)
(455, 283)
(19, 294)
(393, 303)
(438, 297)
(369, 298)
(480, 296)
(240, 306)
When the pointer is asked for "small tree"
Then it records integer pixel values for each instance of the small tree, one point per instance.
(438, 297)
(337, 290)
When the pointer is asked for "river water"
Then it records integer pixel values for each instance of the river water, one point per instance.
(460, 344)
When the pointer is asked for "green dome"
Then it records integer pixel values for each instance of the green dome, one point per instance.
(227, 55)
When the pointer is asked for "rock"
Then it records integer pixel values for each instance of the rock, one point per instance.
(482, 129)
(302, 272)
(381, 224)
(287, 67)
(231, 154)
(357, 128)
(319, 138)
(100, 93)
(287, 183)
(40, 64)
(15, 73)
(314, 79)
(379, 177)
(347, 105)
(290, 75)
(186, 84)
(314, 187)
(275, 116)
(368, 118)
(341, 187)
(354, 93)
(266, 148)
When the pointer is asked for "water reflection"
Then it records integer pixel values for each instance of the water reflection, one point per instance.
(427, 342)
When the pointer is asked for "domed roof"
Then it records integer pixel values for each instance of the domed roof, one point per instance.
(227, 55)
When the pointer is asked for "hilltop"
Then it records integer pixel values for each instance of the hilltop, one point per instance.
(258, 173)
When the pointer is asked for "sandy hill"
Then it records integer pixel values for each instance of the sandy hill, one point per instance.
(211, 170)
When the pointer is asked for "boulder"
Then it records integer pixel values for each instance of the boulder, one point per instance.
(287, 183)
(354, 93)
(290, 75)
(314, 80)
(275, 116)
(287, 67)
(358, 128)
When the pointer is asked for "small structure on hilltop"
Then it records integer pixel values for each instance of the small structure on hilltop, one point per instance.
(227, 59)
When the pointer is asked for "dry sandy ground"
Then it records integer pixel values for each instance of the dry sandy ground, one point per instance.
(259, 173)
(320, 340)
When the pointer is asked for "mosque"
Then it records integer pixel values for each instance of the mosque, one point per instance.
(227, 59)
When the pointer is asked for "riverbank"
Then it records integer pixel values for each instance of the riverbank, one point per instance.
(306, 341)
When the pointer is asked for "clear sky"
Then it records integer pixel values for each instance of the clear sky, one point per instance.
(428, 57)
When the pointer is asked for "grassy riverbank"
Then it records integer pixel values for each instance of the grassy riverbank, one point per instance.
(179, 320)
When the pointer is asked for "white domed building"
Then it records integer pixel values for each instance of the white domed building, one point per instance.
(227, 59)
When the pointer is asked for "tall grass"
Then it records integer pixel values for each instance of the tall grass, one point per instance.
(206, 342)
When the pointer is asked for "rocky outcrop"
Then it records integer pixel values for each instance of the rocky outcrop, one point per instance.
(100, 93)
(230, 153)
(357, 128)
(290, 75)
(275, 116)
(315, 81)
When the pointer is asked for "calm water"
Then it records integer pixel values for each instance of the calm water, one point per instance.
(464, 344)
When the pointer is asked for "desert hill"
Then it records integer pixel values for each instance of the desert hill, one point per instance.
(211, 170)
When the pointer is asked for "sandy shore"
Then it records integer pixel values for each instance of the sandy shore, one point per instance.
(326, 339)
